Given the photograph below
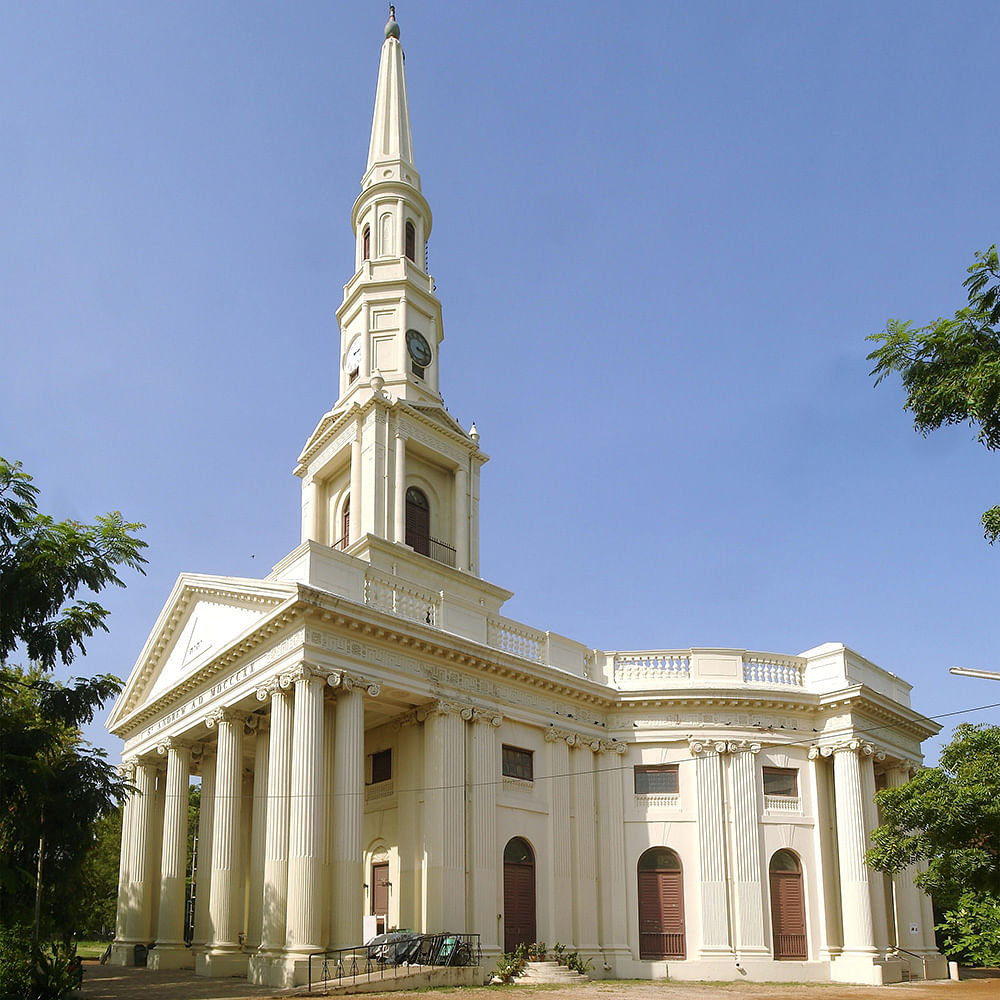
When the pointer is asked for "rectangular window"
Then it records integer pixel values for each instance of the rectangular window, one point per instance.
(381, 765)
(781, 781)
(656, 779)
(517, 763)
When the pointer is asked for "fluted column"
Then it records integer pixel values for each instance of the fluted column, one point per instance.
(909, 918)
(583, 845)
(303, 931)
(203, 860)
(329, 815)
(611, 847)
(410, 814)
(855, 894)
(121, 950)
(399, 498)
(258, 833)
(170, 951)
(749, 901)
(877, 884)
(354, 523)
(558, 793)
(138, 922)
(461, 518)
(711, 851)
(226, 902)
(349, 804)
(444, 815)
(484, 862)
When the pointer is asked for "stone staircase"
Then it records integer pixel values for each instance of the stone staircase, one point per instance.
(550, 972)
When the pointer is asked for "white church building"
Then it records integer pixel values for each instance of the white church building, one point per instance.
(379, 747)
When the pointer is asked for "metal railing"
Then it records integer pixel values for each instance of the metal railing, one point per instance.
(391, 959)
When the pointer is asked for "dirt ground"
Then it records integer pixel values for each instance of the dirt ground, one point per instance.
(103, 982)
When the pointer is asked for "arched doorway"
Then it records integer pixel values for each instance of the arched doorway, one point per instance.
(418, 521)
(661, 905)
(788, 907)
(518, 894)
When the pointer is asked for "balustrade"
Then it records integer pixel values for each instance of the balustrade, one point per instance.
(519, 640)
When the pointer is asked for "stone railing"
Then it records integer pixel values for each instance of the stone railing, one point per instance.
(397, 598)
(714, 668)
(782, 803)
(667, 665)
(379, 791)
(773, 670)
(516, 639)
(646, 802)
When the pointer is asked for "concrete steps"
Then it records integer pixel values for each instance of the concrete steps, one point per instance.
(550, 972)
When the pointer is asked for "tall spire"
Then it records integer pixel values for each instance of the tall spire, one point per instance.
(391, 141)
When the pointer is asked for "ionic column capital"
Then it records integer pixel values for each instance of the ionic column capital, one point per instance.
(709, 745)
(218, 715)
(851, 745)
(553, 735)
(177, 745)
(488, 716)
(344, 681)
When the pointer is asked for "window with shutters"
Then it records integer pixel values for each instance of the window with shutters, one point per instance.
(517, 763)
(788, 907)
(661, 905)
(418, 521)
(411, 241)
(366, 243)
(781, 781)
(655, 779)
(345, 525)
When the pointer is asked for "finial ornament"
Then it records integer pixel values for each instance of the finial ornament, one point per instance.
(392, 29)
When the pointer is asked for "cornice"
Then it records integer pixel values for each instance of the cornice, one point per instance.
(879, 706)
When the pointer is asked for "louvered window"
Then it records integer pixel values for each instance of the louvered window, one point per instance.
(418, 521)
(788, 908)
(661, 905)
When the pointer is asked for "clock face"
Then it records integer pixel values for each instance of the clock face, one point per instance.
(418, 347)
(352, 360)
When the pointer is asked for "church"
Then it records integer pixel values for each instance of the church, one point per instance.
(379, 747)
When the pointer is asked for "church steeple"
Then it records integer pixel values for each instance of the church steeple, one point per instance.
(391, 142)
(390, 319)
(389, 473)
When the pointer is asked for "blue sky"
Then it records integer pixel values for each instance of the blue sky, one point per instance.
(661, 235)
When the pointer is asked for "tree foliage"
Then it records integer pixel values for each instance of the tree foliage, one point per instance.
(53, 785)
(950, 369)
(948, 819)
(44, 563)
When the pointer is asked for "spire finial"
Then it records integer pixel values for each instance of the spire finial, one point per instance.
(392, 29)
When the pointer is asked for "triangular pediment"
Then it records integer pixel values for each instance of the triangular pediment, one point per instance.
(202, 616)
(439, 416)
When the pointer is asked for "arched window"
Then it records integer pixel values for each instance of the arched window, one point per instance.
(411, 241)
(418, 521)
(518, 894)
(366, 243)
(661, 905)
(788, 908)
(345, 524)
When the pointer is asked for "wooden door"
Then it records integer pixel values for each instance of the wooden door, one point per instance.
(788, 908)
(518, 895)
(380, 894)
(661, 905)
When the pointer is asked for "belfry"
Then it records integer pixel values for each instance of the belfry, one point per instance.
(378, 747)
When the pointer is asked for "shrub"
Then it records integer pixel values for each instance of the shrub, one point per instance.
(971, 929)
(510, 966)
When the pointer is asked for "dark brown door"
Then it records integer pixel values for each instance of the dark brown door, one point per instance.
(788, 908)
(661, 905)
(518, 895)
(380, 893)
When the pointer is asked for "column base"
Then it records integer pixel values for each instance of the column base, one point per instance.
(281, 969)
(866, 969)
(170, 956)
(123, 953)
(219, 963)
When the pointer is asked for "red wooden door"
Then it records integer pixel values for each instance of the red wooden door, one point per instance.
(788, 908)
(661, 914)
(518, 895)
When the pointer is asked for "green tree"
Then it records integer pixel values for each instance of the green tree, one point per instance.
(53, 785)
(948, 818)
(950, 369)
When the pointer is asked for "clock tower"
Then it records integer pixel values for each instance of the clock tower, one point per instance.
(388, 463)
